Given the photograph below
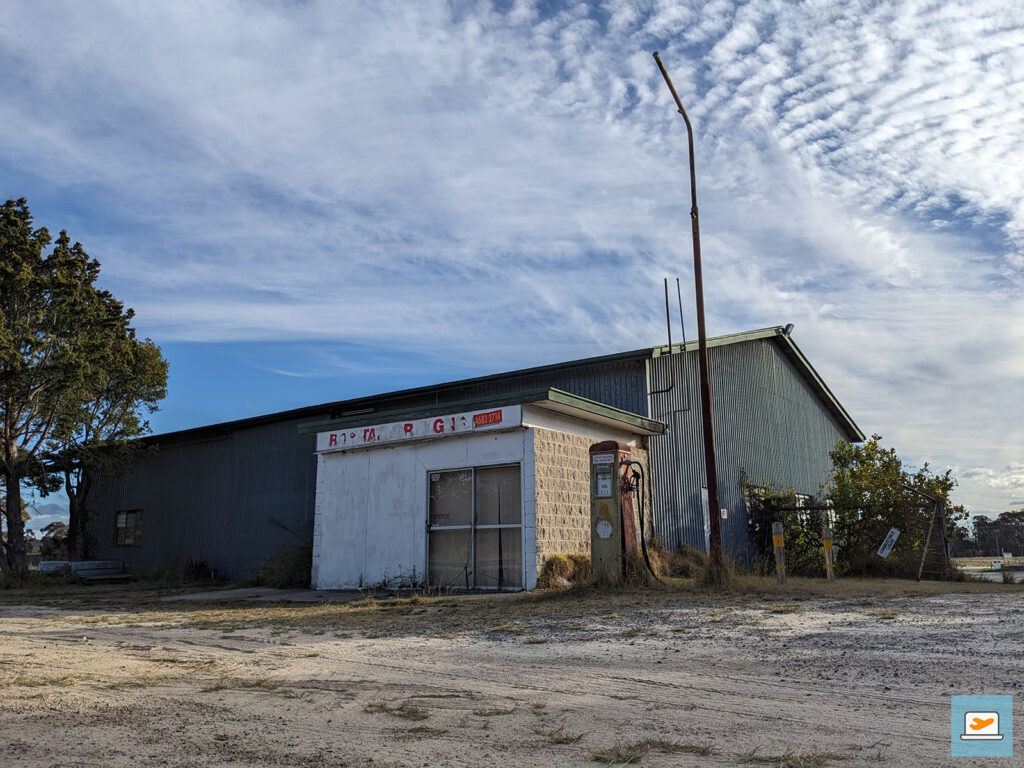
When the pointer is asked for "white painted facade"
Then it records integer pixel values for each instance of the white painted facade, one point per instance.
(370, 526)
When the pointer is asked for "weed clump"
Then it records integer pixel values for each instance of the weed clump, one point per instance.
(563, 571)
(406, 710)
(685, 563)
(291, 568)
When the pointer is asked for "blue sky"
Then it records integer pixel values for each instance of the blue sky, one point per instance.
(312, 201)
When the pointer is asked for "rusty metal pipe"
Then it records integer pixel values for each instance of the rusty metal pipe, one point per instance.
(671, 367)
(715, 523)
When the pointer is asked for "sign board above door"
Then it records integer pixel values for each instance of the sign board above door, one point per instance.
(430, 428)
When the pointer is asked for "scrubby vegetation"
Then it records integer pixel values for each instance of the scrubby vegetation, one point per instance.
(288, 569)
(562, 571)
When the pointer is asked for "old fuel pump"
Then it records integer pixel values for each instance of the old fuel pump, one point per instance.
(613, 524)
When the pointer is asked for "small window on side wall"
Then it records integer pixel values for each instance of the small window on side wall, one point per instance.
(128, 527)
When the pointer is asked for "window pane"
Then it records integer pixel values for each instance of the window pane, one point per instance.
(498, 499)
(499, 557)
(133, 527)
(451, 559)
(451, 498)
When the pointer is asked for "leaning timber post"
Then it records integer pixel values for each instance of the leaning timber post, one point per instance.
(779, 544)
(826, 542)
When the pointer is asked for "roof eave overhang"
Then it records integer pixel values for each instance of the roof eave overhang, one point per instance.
(550, 399)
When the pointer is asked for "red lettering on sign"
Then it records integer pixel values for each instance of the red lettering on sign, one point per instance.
(439, 425)
(408, 429)
(483, 419)
(332, 440)
(370, 433)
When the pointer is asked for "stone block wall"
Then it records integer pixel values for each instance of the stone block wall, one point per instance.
(562, 487)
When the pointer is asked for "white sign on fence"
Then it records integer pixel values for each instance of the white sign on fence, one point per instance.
(887, 545)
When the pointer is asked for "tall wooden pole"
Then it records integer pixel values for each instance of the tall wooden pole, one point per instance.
(715, 565)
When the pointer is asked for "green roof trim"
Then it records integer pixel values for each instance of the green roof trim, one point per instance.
(539, 397)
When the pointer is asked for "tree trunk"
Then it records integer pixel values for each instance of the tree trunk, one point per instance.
(16, 559)
(78, 517)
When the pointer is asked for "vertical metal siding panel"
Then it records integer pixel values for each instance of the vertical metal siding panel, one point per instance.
(108, 496)
(768, 423)
(188, 504)
(275, 470)
(677, 464)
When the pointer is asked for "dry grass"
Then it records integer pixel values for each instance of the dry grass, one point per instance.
(64, 680)
(406, 710)
(782, 608)
(564, 571)
(634, 752)
(145, 681)
(685, 563)
(493, 712)
(241, 683)
(792, 759)
(508, 628)
(450, 616)
(557, 735)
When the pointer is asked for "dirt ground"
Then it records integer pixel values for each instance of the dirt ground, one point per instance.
(662, 678)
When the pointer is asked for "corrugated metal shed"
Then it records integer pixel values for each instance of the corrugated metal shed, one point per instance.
(774, 420)
(236, 493)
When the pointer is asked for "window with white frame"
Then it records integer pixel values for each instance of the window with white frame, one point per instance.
(475, 528)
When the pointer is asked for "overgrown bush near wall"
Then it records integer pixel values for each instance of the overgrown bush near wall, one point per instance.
(562, 571)
(802, 527)
(870, 493)
(684, 563)
(290, 568)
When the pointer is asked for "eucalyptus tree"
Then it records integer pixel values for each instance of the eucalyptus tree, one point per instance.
(68, 366)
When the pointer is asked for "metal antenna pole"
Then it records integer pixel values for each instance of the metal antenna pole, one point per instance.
(716, 569)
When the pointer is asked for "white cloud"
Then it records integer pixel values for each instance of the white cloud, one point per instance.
(462, 178)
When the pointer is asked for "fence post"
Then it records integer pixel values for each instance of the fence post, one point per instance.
(780, 553)
(826, 541)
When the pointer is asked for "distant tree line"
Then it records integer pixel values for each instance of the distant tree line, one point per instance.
(988, 537)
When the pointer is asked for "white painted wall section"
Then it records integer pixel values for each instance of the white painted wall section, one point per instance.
(371, 506)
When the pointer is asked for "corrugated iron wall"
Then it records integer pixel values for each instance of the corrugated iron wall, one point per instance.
(763, 409)
(226, 500)
(231, 499)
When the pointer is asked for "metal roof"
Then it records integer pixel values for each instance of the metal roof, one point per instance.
(373, 404)
(548, 398)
